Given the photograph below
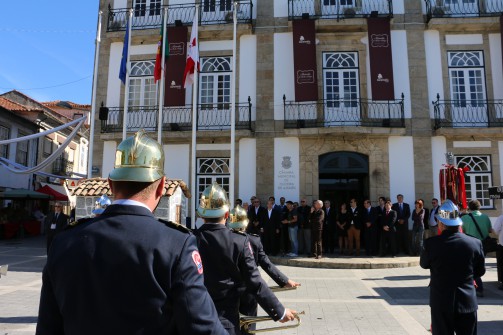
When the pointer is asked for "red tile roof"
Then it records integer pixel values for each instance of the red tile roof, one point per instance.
(95, 187)
(11, 105)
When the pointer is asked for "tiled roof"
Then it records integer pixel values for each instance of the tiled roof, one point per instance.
(11, 105)
(61, 104)
(98, 186)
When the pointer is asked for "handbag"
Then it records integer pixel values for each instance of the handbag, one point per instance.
(489, 244)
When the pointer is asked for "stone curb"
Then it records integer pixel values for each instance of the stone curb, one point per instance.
(348, 263)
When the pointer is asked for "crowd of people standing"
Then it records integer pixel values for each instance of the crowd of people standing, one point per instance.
(313, 229)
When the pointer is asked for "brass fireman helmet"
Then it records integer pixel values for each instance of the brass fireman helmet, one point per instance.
(101, 204)
(238, 218)
(448, 214)
(139, 159)
(213, 202)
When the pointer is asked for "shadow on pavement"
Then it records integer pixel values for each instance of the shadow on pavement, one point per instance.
(19, 319)
(399, 278)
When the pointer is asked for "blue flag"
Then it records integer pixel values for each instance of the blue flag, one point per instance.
(123, 68)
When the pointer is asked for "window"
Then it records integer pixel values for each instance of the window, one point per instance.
(48, 146)
(140, 7)
(215, 87)
(4, 135)
(467, 88)
(210, 5)
(212, 170)
(142, 89)
(22, 151)
(341, 87)
(478, 179)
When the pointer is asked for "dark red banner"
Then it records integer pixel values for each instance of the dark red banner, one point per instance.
(381, 60)
(304, 60)
(174, 92)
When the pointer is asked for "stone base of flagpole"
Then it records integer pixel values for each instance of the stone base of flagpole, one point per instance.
(343, 262)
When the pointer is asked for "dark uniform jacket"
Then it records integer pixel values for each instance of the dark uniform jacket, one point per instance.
(371, 217)
(454, 259)
(229, 267)
(355, 216)
(265, 263)
(125, 273)
(253, 217)
(316, 219)
(389, 220)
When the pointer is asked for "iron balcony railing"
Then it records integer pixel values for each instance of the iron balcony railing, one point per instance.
(339, 9)
(463, 8)
(210, 12)
(339, 113)
(209, 117)
(62, 166)
(467, 113)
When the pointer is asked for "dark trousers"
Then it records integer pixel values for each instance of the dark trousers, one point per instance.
(370, 236)
(329, 238)
(499, 262)
(388, 241)
(402, 237)
(285, 239)
(248, 306)
(269, 240)
(444, 323)
(316, 238)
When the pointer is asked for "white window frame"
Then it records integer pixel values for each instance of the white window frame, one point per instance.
(4, 135)
(22, 150)
(141, 9)
(142, 78)
(478, 179)
(341, 108)
(215, 71)
(210, 170)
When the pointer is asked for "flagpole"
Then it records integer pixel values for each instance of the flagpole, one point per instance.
(233, 110)
(163, 76)
(93, 98)
(128, 69)
(194, 129)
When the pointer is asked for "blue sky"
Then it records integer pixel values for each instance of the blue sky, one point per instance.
(47, 48)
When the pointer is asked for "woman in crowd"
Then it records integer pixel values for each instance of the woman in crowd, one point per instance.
(418, 216)
(342, 227)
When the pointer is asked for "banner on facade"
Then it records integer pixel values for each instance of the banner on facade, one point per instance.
(304, 60)
(381, 60)
(174, 92)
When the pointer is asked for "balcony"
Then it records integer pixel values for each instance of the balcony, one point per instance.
(339, 9)
(344, 113)
(209, 118)
(463, 8)
(210, 12)
(62, 166)
(468, 113)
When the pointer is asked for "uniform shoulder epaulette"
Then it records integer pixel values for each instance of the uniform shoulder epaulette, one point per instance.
(256, 235)
(240, 232)
(176, 226)
(80, 221)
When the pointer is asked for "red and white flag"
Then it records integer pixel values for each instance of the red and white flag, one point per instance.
(192, 56)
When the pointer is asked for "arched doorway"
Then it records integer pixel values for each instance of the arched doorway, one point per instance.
(343, 175)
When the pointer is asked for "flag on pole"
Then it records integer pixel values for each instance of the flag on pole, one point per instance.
(192, 56)
(123, 68)
(158, 59)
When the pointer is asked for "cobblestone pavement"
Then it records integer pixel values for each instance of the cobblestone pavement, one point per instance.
(336, 301)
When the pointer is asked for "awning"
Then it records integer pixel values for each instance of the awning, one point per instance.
(22, 193)
(55, 195)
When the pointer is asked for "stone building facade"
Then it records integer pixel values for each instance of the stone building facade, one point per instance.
(447, 76)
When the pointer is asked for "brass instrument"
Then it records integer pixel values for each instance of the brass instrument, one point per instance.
(246, 321)
(280, 289)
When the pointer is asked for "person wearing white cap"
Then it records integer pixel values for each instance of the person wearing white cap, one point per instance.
(454, 260)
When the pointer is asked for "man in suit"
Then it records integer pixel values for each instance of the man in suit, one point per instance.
(454, 259)
(329, 225)
(316, 220)
(381, 210)
(388, 226)
(229, 266)
(270, 221)
(248, 303)
(355, 226)
(432, 220)
(54, 223)
(303, 212)
(255, 212)
(369, 219)
(402, 226)
(125, 272)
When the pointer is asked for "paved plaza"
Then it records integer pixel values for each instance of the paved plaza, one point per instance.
(336, 301)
